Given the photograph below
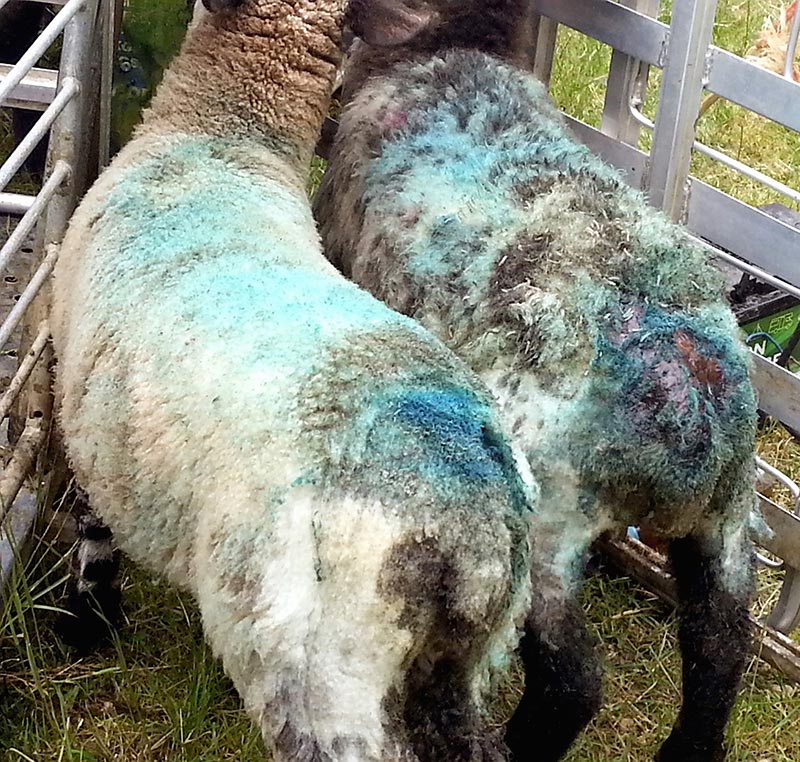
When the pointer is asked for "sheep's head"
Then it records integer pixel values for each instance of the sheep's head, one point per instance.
(495, 26)
(221, 5)
(389, 22)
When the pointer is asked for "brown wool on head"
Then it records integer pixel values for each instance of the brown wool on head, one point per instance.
(236, 69)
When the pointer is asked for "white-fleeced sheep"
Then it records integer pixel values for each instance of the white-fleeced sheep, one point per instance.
(455, 194)
(329, 482)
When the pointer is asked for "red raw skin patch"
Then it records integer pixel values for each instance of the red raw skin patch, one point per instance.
(706, 370)
(675, 367)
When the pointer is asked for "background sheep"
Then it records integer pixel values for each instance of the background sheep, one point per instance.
(455, 194)
(328, 481)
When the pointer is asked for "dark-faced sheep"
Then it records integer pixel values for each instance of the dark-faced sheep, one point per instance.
(329, 482)
(456, 195)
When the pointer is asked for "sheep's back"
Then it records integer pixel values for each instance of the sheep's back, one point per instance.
(456, 195)
(214, 358)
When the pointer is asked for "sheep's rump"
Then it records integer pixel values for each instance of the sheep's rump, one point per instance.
(463, 202)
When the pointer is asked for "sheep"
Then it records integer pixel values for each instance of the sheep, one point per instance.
(329, 482)
(455, 194)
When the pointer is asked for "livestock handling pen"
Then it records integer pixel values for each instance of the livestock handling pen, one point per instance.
(74, 104)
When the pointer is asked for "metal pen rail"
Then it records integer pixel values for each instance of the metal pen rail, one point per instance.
(733, 231)
(66, 98)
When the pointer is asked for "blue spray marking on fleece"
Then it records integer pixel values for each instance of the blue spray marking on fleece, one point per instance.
(177, 266)
(451, 422)
(447, 438)
(454, 176)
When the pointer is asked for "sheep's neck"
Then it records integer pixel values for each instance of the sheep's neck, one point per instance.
(265, 76)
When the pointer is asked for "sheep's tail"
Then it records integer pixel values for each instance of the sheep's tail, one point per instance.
(93, 591)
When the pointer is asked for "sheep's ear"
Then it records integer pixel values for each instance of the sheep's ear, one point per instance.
(385, 23)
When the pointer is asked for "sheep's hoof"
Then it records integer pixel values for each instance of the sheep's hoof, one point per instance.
(221, 5)
(678, 749)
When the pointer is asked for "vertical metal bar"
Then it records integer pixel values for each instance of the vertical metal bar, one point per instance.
(109, 49)
(68, 137)
(679, 103)
(791, 47)
(545, 31)
(627, 79)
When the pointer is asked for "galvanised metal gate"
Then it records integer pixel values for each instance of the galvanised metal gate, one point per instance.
(739, 234)
(73, 101)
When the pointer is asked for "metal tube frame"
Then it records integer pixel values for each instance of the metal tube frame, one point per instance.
(51, 208)
(791, 48)
(627, 82)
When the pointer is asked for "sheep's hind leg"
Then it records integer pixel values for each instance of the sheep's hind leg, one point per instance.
(93, 590)
(714, 586)
(562, 682)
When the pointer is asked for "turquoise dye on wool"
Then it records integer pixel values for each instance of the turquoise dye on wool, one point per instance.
(288, 313)
(452, 425)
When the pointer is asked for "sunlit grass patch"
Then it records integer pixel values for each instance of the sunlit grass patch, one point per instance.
(154, 693)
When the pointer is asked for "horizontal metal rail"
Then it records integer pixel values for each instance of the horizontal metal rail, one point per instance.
(61, 172)
(29, 294)
(793, 487)
(778, 391)
(69, 89)
(765, 92)
(22, 461)
(751, 234)
(786, 531)
(723, 158)
(35, 91)
(24, 370)
(15, 203)
(629, 160)
(756, 272)
(44, 2)
(39, 48)
(622, 28)
(649, 567)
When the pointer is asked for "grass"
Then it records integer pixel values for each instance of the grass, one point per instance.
(22, 182)
(578, 87)
(156, 693)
